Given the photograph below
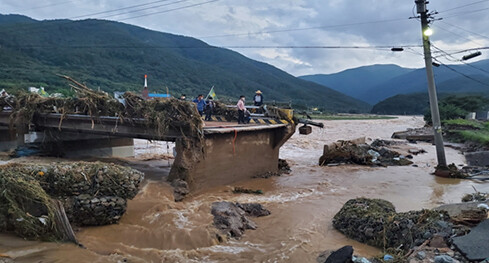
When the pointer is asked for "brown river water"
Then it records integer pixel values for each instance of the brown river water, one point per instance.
(303, 203)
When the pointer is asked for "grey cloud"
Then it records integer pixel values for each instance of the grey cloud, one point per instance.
(237, 17)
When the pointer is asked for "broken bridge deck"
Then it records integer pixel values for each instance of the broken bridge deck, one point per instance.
(231, 152)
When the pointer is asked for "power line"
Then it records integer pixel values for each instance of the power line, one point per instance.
(467, 12)
(384, 47)
(169, 10)
(469, 49)
(468, 31)
(459, 60)
(304, 28)
(143, 9)
(462, 6)
(118, 9)
(30, 26)
(459, 35)
(43, 6)
(462, 74)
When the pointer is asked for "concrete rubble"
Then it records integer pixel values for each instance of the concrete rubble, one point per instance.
(413, 135)
(475, 245)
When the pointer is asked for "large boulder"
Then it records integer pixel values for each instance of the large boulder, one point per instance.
(342, 255)
(358, 152)
(375, 222)
(232, 218)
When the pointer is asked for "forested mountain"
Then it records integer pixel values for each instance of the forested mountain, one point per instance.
(354, 82)
(375, 83)
(114, 56)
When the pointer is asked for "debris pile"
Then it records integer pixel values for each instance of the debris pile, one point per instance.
(477, 197)
(25, 208)
(360, 153)
(66, 179)
(229, 113)
(241, 190)
(6, 102)
(160, 115)
(451, 172)
(283, 166)
(91, 194)
(375, 222)
(232, 218)
(470, 217)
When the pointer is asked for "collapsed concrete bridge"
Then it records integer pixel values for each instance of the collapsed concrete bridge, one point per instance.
(230, 152)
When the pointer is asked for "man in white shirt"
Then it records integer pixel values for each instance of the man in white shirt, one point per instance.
(258, 98)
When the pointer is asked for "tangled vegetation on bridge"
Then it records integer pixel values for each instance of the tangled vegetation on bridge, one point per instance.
(160, 115)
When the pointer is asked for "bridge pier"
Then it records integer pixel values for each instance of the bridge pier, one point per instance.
(9, 139)
(230, 155)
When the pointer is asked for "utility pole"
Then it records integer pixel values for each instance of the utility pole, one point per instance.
(435, 113)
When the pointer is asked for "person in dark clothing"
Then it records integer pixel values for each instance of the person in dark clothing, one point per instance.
(200, 104)
(258, 98)
(209, 108)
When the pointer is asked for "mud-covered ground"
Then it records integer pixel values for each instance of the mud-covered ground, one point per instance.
(302, 205)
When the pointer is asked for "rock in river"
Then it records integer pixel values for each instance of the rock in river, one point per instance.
(232, 219)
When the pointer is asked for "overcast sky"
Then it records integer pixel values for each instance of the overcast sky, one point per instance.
(291, 23)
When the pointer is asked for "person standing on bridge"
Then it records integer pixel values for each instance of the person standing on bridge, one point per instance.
(200, 104)
(241, 110)
(258, 98)
(209, 108)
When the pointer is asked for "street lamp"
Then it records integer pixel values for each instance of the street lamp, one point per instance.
(428, 32)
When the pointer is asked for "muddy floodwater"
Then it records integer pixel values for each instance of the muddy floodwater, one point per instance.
(303, 203)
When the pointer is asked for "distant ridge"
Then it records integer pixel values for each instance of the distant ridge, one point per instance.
(354, 82)
(375, 83)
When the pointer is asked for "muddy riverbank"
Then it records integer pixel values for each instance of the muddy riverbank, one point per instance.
(302, 206)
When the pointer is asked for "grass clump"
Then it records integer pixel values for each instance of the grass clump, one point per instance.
(25, 208)
(462, 123)
(481, 136)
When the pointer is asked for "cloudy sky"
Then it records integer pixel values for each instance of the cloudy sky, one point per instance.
(292, 30)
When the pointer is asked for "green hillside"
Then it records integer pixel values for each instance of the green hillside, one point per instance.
(115, 56)
(418, 103)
